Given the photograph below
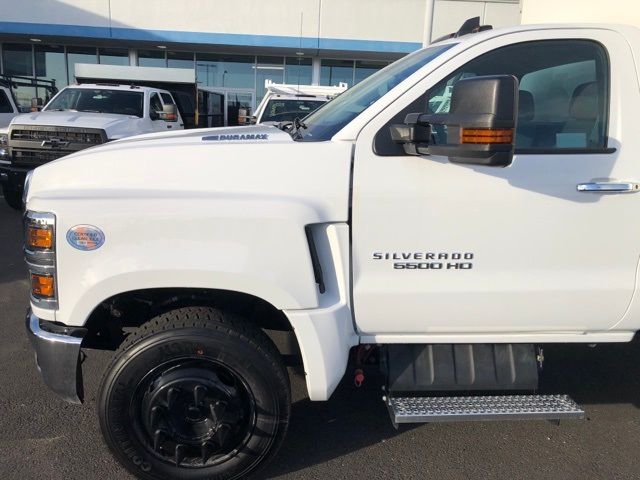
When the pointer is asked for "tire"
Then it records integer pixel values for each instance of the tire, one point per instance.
(12, 195)
(195, 394)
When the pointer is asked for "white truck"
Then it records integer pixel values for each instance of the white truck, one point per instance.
(78, 117)
(452, 245)
(286, 102)
(10, 107)
(41, 91)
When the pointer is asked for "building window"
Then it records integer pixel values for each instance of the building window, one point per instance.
(152, 58)
(230, 71)
(180, 59)
(268, 68)
(333, 72)
(298, 71)
(366, 68)
(50, 65)
(17, 59)
(79, 55)
(113, 56)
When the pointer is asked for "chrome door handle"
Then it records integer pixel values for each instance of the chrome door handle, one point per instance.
(609, 187)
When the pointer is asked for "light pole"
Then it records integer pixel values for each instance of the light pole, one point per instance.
(428, 22)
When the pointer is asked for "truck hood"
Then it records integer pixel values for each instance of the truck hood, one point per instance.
(254, 162)
(113, 124)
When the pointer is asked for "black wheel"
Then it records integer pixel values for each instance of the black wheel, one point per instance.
(195, 394)
(12, 195)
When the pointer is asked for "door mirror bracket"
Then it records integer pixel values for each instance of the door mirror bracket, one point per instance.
(413, 135)
(480, 125)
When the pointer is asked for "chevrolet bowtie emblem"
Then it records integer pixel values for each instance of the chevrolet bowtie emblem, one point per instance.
(54, 143)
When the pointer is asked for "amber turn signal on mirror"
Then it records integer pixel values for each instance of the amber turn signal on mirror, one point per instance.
(486, 135)
(42, 286)
(39, 237)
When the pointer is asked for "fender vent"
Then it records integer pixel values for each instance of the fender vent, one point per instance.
(315, 260)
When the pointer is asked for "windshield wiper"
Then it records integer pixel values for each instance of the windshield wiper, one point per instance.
(285, 126)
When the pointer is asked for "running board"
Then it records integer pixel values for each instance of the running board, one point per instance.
(501, 407)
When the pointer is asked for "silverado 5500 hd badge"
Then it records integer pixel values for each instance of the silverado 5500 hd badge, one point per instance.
(427, 260)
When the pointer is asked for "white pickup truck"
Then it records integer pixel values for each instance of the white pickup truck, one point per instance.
(446, 218)
(286, 102)
(78, 117)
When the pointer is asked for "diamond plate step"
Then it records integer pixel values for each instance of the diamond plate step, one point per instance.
(500, 407)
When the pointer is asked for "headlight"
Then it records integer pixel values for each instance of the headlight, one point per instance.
(39, 250)
(4, 145)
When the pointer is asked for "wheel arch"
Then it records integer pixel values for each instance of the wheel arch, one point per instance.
(130, 309)
(315, 340)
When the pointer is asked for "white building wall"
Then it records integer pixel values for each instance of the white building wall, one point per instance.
(94, 13)
(450, 14)
(259, 17)
(576, 11)
(368, 25)
(387, 20)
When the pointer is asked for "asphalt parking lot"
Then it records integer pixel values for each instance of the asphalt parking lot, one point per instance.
(350, 436)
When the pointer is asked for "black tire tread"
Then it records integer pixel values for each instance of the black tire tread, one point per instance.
(207, 318)
(211, 319)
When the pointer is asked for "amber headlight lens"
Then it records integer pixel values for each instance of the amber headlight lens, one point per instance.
(40, 254)
(40, 237)
(43, 286)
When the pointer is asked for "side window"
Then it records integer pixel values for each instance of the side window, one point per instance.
(156, 104)
(167, 99)
(5, 104)
(563, 98)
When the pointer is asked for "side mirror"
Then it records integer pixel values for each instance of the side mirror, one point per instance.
(480, 124)
(169, 113)
(36, 104)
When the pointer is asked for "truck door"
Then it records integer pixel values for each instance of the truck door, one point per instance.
(443, 249)
(178, 121)
(156, 114)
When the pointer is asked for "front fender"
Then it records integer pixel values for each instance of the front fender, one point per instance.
(254, 247)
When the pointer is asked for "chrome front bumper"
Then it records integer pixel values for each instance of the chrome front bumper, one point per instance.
(58, 356)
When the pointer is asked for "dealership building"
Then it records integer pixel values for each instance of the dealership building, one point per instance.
(233, 46)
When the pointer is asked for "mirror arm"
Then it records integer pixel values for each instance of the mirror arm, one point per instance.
(413, 137)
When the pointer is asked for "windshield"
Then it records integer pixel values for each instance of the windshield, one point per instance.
(99, 100)
(325, 122)
(278, 110)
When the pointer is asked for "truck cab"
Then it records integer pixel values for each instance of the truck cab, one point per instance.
(14, 88)
(78, 117)
(445, 219)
